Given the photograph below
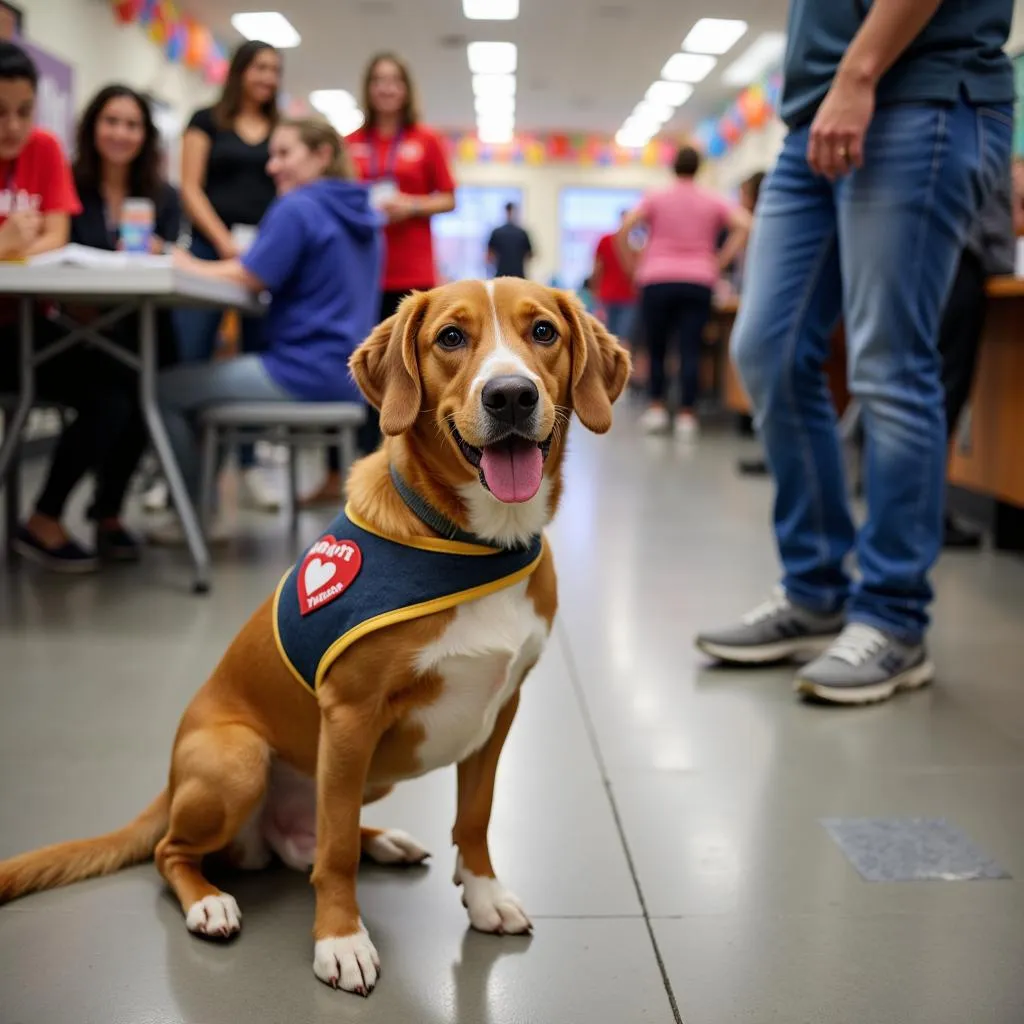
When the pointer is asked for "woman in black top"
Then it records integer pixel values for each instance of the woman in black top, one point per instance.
(225, 185)
(118, 157)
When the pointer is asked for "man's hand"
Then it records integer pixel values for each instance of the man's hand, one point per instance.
(20, 232)
(836, 145)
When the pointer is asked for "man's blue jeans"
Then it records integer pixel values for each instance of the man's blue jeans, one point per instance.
(879, 247)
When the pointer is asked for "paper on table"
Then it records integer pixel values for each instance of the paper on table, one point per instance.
(84, 256)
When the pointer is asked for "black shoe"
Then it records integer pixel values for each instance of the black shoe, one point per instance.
(68, 558)
(955, 535)
(752, 467)
(117, 545)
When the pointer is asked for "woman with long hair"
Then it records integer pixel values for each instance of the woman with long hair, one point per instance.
(226, 190)
(677, 271)
(405, 166)
(317, 253)
(117, 158)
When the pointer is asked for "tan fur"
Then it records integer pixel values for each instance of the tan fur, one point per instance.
(356, 737)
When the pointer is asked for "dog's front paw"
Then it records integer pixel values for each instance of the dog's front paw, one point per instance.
(492, 908)
(350, 963)
(214, 917)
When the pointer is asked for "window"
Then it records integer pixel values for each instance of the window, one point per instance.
(585, 214)
(460, 237)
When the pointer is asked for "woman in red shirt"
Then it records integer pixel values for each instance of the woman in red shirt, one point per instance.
(405, 166)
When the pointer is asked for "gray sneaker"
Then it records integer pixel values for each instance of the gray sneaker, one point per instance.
(865, 666)
(774, 631)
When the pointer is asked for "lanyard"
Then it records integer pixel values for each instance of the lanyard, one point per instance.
(392, 157)
(12, 173)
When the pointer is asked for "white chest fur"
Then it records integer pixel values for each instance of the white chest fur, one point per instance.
(480, 659)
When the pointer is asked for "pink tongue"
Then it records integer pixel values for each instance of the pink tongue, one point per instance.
(513, 474)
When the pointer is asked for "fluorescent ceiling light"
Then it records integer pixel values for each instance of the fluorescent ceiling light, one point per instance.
(496, 106)
(495, 130)
(673, 94)
(687, 67)
(268, 27)
(339, 107)
(651, 113)
(631, 138)
(765, 52)
(491, 10)
(491, 58)
(714, 35)
(494, 85)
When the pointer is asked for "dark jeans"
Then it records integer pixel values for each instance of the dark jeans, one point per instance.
(959, 335)
(197, 333)
(368, 436)
(108, 435)
(681, 310)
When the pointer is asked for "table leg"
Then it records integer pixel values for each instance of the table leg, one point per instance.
(161, 442)
(17, 420)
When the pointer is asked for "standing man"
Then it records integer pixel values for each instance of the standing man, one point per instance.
(900, 117)
(509, 246)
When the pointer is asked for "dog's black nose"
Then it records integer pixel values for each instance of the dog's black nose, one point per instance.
(511, 399)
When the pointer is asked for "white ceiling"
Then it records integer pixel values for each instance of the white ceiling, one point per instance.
(583, 64)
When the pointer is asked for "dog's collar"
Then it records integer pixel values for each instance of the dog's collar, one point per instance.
(438, 521)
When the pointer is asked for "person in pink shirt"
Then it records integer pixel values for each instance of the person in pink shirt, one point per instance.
(676, 272)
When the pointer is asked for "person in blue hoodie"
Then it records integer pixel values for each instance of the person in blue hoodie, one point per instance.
(318, 253)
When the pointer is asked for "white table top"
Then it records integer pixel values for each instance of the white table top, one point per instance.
(104, 286)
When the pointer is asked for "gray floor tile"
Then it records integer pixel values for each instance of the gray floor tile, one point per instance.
(842, 969)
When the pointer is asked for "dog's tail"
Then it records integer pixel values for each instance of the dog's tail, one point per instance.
(64, 863)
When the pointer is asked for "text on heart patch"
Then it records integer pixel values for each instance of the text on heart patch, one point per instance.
(327, 572)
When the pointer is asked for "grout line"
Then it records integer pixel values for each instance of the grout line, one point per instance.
(588, 723)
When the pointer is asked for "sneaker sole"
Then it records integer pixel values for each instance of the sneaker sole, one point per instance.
(912, 679)
(768, 654)
(80, 567)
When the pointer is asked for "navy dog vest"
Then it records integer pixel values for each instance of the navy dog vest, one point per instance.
(353, 580)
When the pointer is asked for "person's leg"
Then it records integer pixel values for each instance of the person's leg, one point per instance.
(780, 343)
(253, 342)
(903, 219)
(184, 391)
(692, 317)
(196, 329)
(782, 337)
(657, 311)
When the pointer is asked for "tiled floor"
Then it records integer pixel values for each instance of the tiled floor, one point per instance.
(659, 817)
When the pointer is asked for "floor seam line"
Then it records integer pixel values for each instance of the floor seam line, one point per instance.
(588, 724)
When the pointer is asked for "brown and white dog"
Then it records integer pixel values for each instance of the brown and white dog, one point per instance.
(475, 383)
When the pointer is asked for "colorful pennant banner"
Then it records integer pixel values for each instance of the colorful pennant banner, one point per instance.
(749, 111)
(183, 39)
(583, 150)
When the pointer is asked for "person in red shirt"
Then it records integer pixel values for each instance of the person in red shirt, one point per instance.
(37, 201)
(405, 166)
(615, 289)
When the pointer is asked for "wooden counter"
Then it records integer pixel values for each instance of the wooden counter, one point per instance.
(988, 454)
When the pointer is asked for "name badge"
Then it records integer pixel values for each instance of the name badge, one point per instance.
(381, 191)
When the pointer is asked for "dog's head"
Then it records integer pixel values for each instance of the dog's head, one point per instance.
(488, 373)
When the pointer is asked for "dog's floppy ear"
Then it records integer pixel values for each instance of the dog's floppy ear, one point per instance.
(386, 366)
(600, 366)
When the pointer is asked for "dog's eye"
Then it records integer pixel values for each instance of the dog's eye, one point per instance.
(544, 332)
(451, 338)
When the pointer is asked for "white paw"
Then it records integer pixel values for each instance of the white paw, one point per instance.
(216, 917)
(394, 847)
(350, 963)
(492, 908)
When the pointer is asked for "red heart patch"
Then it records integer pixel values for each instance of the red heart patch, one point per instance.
(327, 572)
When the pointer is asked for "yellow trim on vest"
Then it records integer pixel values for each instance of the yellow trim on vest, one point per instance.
(277, 636)
(413, 611)
(448, 547)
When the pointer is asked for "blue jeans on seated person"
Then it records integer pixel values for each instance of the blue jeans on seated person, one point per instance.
(184, 391)
(620, 318)
(197, 334)
(879, 246)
